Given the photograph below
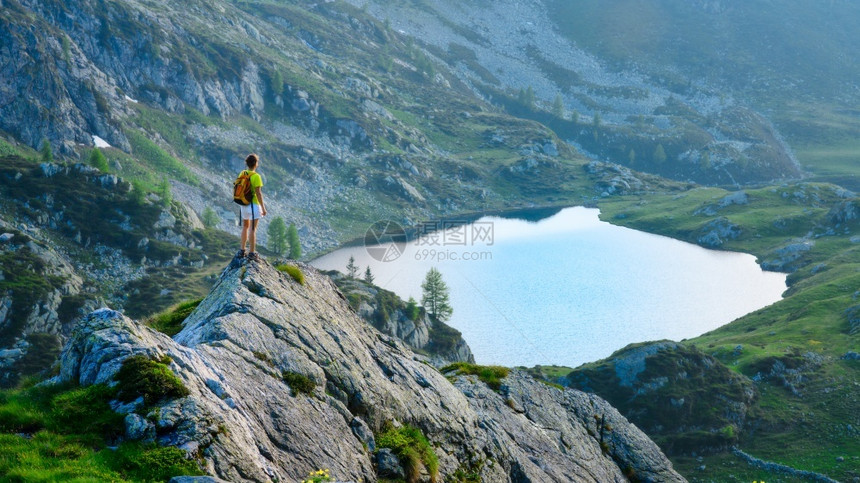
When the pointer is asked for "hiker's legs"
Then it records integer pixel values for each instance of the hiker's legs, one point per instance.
(253, 236)
(246, 224)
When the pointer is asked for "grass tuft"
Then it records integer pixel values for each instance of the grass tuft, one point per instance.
(154, 381)
(292, 271)
(170, 321)
(413, 449)
(491, 375)
(299, 383)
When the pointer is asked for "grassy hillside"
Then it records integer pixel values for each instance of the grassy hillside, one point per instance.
(787, 59)
(799, 355)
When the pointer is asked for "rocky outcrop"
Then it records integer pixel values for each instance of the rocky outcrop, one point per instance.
(718, 231)
(687, 400)
(441, 343)
(246, 423)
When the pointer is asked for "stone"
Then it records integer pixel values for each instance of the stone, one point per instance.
(196, 479)
(388, 465)
(271, 434)
(165, 220)
(363, 432)
(6, 237)
(138, 428)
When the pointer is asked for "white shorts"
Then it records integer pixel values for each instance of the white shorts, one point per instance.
(248, 214)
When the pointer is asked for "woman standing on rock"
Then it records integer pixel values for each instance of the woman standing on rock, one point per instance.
(252, 212)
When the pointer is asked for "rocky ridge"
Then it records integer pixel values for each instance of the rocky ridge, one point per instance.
(247, 424)
(441, 343)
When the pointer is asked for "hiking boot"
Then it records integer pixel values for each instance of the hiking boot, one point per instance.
(254, 257)
(241, 253)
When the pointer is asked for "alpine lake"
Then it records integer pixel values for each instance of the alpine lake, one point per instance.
(566, 288)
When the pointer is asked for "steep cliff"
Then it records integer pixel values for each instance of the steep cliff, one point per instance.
(441, 343)
(284, 378)
(72, 237)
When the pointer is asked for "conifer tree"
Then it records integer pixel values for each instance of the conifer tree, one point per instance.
(47, 155)
(368, 276)
(558, 107)
(659, 154)
(435, 297)
(98, 160)
(277, 232)
(210, 218)
(294, 243)
(351, 268)
(164, 192)
(412, 309)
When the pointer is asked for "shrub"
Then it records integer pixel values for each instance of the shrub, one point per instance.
(412, 448)
(491, 375)
(154, 381)
(140, 462)
(170, 321)
(299, 383)
(293, 271)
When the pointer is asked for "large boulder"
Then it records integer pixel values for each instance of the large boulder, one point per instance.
(279, 373)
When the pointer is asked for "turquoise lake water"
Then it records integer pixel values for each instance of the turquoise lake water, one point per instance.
(570, 288)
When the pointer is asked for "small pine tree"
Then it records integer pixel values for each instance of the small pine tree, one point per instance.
(351, 268)
(210, 218)
(659, 154)
(435, 296)
(293, 241)
(277, 85)
(412, 309)
(277, 232)
(558, 107)
(138, 193)
(47, 156)
(164, 191)
(530, 97)
(368, 276)
(98, 160)
(595, 126)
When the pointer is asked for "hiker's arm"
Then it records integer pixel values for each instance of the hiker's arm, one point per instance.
(259, 191)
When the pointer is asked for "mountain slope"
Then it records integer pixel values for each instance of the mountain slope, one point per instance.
(678, 127)
(245, 349)
(354, 121)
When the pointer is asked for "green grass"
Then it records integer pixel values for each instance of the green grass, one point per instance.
(805, 431)
(170, 321)
(412, 448)
(293, 271)
(158, 159)
(62, 433)
(299, 383)
(490, 375)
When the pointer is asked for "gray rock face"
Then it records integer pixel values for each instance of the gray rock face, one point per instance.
(362, 380)
(389, 465)
(440, 342)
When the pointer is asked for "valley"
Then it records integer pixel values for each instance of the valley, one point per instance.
(694, 120)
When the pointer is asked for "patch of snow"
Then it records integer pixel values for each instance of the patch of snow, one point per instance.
(129, 99)
(99, 142)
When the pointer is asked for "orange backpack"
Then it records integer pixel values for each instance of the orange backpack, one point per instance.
(242, 192)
